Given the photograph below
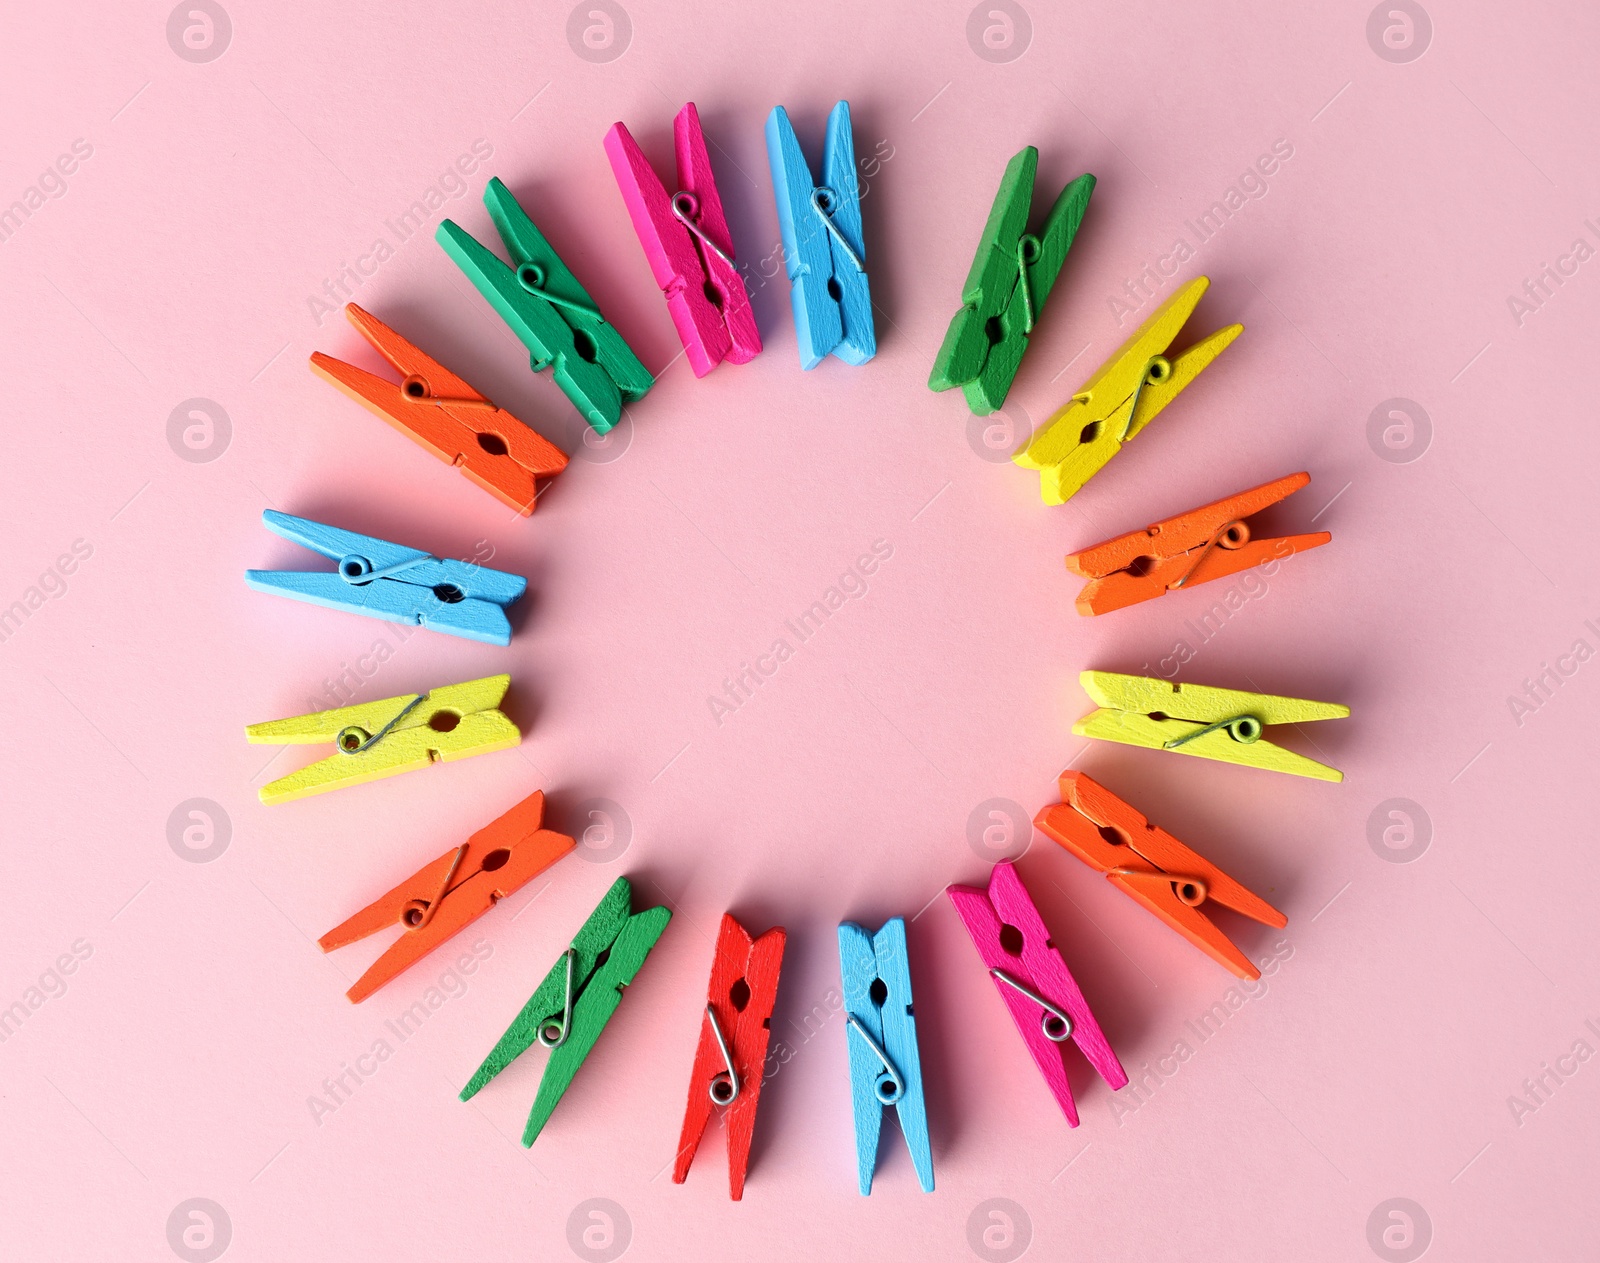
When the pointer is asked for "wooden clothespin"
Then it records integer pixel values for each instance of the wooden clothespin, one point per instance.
(549, 311)
(1209, 723)
(389, 581)
(823, 248)
(397, 734)
(439, 901)
(446, 416)
(1196, 547)
(1152, 866)
(685, 238)
(572, 1005)
(1034, 982)
(881, 1031)
(730, 1059)
(1125, 395)
(1011, 277)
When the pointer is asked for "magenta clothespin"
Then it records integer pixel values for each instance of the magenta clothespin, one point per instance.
(1033, 980)
(685, 238)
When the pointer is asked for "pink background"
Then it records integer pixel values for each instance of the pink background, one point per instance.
(1410, 1000)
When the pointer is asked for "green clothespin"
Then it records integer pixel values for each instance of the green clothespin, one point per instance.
(1005, 291)
(549, 311)
(576, 999)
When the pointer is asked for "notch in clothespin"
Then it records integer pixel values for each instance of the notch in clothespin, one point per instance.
(1005, 290)
(446, 416)
(569, 1009)
(1127, 393)
(730, 1059)
(881, 1031)
(1150, 865)
(1209, 723)
(822, 244)
(1196, 547)
(549, 311)
(440, 900)
(1034, 982)
(388, 581)
(384, 738)
(686, 240)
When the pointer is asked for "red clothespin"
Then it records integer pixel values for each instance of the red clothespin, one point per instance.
(437, 902)
(685, 238)
(445, 415)
(1207, 543)
(1034, 982)
(730, 1060)
(1153, 867)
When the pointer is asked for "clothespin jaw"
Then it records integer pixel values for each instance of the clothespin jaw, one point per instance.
(881, 1031)
(1010, 279)
(549, 311)
(1153, 867)
(397, 734)
(1210, 723)
(446, 416)
(730, 1059)
(1127, 393)
(389, 581)
(443, 898)
(822, 243)
(1034, 982)
(1207, 543)
(572, 1005)
(686, 240)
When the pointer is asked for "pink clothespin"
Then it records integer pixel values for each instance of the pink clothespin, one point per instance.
(685, 238)
(1032, 979)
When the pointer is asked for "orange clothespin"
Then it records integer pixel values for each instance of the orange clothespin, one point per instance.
(445, 415)
(1153, 867)
(440, 900)
(1195, 547)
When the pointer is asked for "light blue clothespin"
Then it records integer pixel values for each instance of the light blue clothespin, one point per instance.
(388, 581)
(882, 1033)
(822, 245)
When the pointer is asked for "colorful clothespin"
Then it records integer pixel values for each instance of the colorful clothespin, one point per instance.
(1011, 277)
(881, 1031)
(1152, 866)
(1196, 547)
(445, 415)
(730, 1059)
(576, 999)
(685, 238)
(822, 244)
(549, 311)
(1034, 982)
(397, 734)
(392, 582)
(439, 901)
(1210, 723)
(1125, 395)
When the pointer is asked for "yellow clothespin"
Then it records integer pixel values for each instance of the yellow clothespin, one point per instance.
(1130, 389)
(1212, 723)
(397, 734)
